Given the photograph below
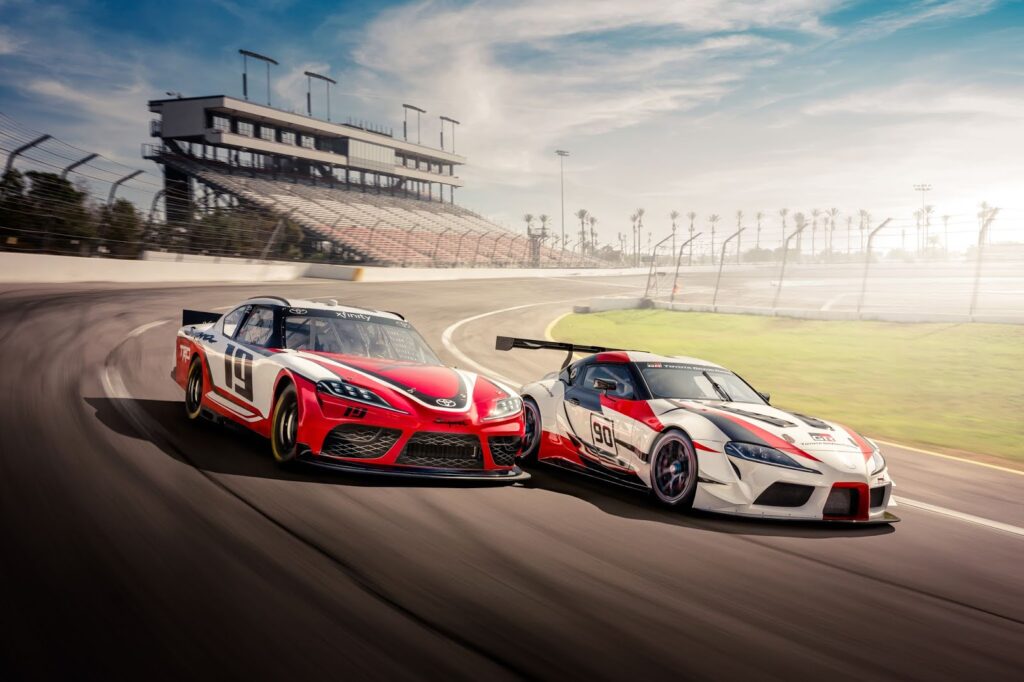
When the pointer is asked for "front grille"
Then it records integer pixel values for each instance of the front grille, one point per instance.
(504, 449)
(443, 451)
(785, 495)
(360, 441)
(878, 496)
(842, 502)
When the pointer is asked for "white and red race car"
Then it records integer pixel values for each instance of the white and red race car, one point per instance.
(347, 388)
(696, 434)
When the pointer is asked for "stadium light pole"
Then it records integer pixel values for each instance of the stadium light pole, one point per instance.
(245, 71)
(25, 147)
(867, 264)
(721, 262)
(561, 172)
(454, 123)
(923, 188)
(785, 254)
(405, 125)
(679, 260)
(76, 164)
(309, 89)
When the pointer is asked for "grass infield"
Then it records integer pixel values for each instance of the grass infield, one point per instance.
(957, 388)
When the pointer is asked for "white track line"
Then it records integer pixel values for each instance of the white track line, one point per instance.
(142, 329)
(969, 518)
(952, 457)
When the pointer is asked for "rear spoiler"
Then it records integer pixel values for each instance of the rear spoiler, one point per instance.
(191, 317)
(510, 342)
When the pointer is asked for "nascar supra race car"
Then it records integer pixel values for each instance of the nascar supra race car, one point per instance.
(345, 387)
(696, 434)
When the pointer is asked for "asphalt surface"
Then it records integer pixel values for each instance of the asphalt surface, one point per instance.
(134, 542)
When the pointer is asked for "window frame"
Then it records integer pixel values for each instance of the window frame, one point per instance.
(272, 340)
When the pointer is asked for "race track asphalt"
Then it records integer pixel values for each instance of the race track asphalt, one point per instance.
(134, 542)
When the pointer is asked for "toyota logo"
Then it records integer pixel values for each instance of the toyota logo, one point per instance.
(445, 402)
(298, 311)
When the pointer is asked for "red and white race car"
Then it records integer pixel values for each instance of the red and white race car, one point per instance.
(696, 434)
(348, 388)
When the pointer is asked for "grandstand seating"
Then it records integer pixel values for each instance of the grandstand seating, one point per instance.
(383, 229)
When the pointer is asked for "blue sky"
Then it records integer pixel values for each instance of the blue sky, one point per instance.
(709, 106)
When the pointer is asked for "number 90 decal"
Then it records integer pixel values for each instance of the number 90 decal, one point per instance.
(603, 432)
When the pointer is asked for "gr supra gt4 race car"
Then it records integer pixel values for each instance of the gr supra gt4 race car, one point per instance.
(348, 388)
(696, 434)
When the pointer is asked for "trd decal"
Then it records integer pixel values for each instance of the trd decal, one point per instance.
(184, 352)
(238, 371)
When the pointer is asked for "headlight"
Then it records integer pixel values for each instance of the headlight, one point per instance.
(504, 408)
(765, 455)
(877, 461)
(342, 389)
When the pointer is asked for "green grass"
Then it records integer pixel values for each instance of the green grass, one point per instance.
(953, 387)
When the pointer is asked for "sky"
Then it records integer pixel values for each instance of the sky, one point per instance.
(709, 106)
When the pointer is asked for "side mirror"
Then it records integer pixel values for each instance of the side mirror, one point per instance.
(605, 385)
(766, 395)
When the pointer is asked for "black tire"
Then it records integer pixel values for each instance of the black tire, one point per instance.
(284, 426)
(532, 436)
(194, 390)
(674, 469)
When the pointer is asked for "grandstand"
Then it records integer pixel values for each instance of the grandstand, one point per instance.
(373, 198)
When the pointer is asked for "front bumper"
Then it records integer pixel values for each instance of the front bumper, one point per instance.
(502, 476)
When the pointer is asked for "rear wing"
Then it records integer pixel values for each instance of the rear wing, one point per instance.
(191, 317)
(510, 342)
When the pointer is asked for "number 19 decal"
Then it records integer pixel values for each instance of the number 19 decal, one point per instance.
(238, 371)
(603, 432)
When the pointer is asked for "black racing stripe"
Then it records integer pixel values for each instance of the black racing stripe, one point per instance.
(461, 398)
(730, 428)
(768, 419)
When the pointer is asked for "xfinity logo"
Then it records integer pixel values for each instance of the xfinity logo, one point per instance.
(354, 316)
(445, 402)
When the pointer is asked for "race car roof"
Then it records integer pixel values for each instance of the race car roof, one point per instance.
(308, 304)
(640, 356)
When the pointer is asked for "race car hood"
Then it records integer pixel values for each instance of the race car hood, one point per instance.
(800, 435)
(433, 386)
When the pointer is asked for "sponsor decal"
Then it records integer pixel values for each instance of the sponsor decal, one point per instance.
(445, 402)
(353, 316)
(185, 352)
(822, 437)
(603, 432)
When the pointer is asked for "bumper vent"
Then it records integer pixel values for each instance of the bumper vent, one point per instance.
(878, 496)
(504, 449)
(785, 495)
(443, 451)
(842, 502)
(359, 441)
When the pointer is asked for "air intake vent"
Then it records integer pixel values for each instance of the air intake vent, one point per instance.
(443, 451)
(785, 495)
(359, 441)
(504, 449)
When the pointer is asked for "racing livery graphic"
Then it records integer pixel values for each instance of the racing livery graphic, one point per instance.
(697, 435)
(347, 388)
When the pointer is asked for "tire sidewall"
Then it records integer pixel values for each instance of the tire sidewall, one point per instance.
(530, 450)
(686, 499)
(287, 397)
(195, 368)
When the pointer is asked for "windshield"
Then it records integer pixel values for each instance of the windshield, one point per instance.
(696, 382)
(368, 336)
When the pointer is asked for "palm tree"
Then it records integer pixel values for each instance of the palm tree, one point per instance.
(783, 212)
(639, 233)
(528, 219)
(849, 231)
(739, 226)
(945, 233)
(713, 219)
(926, 213)
(581, 215)
(757, 235)
(593, 232)
(833, 213)
(917, 218)
(673, 215)
(814, 228)
(634, 218)
(692, 216)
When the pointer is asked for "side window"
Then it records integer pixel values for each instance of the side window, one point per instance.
(232, 319)
(620, 374)
(258, 328)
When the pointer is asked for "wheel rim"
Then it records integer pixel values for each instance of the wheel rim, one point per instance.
(287, 427)
(194, 390)
(673, 469)
(531, 435)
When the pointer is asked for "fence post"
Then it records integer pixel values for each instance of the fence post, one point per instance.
(982, 237)
(679, 260)
(785, 257)
(867, 264)
(437, 243)
(721, 262)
